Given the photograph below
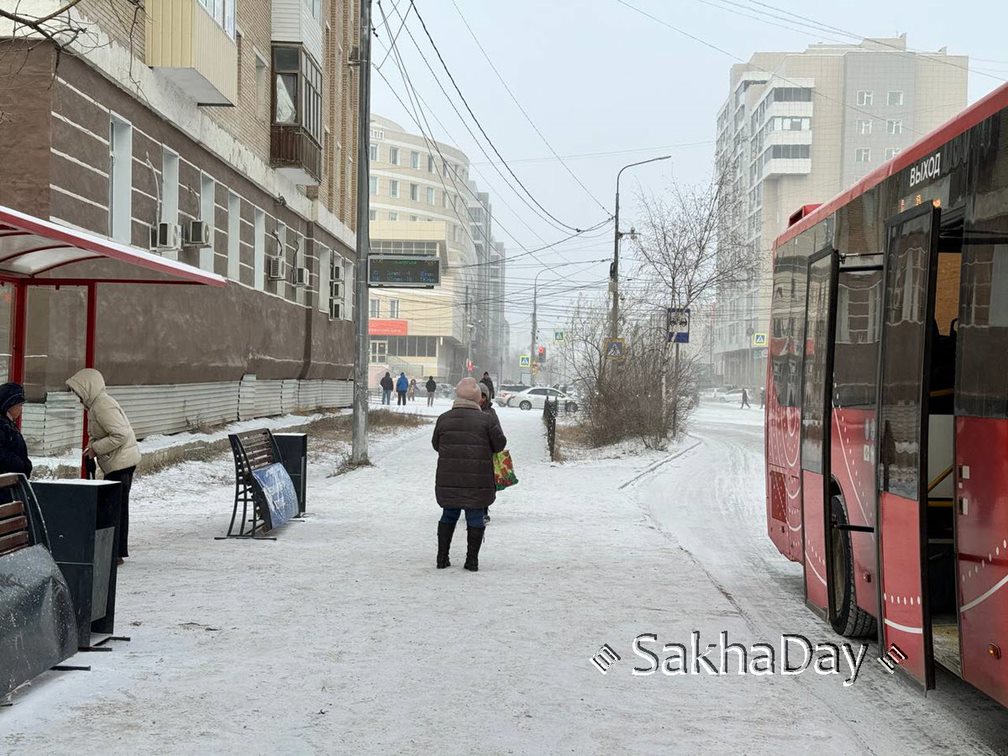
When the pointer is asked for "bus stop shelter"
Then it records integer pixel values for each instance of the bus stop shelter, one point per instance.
(36, 252)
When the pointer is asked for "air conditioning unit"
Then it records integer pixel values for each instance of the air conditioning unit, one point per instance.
(166, 236)
(337, 273)
(335, 310)
(302, 277)
(335, 290)
(276, 270)
(197, 234)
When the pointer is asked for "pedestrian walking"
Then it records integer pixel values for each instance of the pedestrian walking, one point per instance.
(431, 387)
(465, 438)
(411, 391)
(745, 399)
(485, 380)
(13, 450)
(112, 443)
(386, 388)
(401, 387)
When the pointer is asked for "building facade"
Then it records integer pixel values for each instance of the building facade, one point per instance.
(796, 130)
(422, 203)
(219, 135)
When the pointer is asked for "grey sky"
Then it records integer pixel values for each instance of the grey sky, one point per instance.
(596, 76)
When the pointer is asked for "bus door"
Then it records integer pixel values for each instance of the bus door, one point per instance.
(910, 268)
(817, 374)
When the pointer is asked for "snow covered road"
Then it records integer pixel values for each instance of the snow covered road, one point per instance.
(342, 637)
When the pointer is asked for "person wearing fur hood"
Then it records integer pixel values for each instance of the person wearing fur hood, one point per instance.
(112, 443)
(465, 438)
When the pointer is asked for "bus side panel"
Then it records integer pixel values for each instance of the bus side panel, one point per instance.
(901, 581)
(982, 544)
(784, 502)
(852, 466)
(815, 542)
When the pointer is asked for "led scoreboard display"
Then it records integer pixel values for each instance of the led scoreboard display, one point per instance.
(403, 271)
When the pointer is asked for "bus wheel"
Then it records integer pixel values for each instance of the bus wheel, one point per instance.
(850, 621)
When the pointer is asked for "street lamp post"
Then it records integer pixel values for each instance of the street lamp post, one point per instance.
(535, 300)
(614, 269)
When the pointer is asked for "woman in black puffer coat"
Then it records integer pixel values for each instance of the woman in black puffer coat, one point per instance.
(465, 438)
(13, 450)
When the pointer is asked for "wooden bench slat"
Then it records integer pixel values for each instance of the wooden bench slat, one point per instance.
(12, 524)
(11, 509)
(13, 542)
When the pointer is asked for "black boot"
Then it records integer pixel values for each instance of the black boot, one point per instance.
(472, 555)
(445, 531)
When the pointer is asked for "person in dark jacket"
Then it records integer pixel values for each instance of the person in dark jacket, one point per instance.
(386, 387)
(485, 380)
(431, 387)
(13, 451)
(465, 438)
(401, 387)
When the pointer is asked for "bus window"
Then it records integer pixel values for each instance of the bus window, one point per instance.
(787, 317)
(855, 365)
(816, 350)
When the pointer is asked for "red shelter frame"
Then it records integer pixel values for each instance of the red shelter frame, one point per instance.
(32, 250)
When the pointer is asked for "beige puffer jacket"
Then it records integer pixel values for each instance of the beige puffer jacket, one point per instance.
(112, 438)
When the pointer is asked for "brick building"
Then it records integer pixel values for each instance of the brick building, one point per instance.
(216, 134)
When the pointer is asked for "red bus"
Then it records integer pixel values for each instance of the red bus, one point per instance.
(887, 403)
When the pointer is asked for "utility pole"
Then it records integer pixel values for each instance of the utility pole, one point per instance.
(359, 450)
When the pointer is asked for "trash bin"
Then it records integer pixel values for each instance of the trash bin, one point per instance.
(81, 517)
(293, 448)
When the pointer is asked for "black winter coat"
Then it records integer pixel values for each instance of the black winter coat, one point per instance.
(431, 386)
(386, 383)
(466, 438)
(13, 450)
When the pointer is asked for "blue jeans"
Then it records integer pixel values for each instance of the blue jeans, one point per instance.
(474, 517)
(386, 397)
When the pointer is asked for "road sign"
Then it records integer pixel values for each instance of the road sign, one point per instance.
(558, 336)
(759, 339)
(615, 349)
(524, 360)
(678, 325)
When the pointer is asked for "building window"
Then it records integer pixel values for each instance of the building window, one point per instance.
(314, 7)
(414, 192)
(393, 215)
(891, 152)
(208, 214)
(393, 155)
(864, 127)
(894, 127)
(374, 308)
(413, 218)
(379, 351)
(430, 164)
(120, 201)
(169, 186)
(863, 155)
(792, 94)
(372, 215)
(259, 250)
(393, 188)
(393, 308)
(234, 236)
(865, 97)
(444, 199)
(373, 152)
(297, 90)
(373, 186)
(414, 160)
(894, 98)
(431, 198)
(790, 152)
(223, 12)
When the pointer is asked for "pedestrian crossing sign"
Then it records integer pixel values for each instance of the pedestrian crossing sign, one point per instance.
(759, 339)
(615, 349)
(524, 360)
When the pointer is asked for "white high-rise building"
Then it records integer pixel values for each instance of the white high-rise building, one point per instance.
(796, 130)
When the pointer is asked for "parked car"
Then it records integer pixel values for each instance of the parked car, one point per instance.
(506, 390)
(535, 398)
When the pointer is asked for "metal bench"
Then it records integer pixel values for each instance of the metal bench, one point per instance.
(253, 451)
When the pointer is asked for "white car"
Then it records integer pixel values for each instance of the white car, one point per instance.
(536, 398)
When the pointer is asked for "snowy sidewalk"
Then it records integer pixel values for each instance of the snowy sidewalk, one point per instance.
(341, 636)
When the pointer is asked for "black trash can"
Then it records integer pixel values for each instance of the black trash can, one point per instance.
(293, 449)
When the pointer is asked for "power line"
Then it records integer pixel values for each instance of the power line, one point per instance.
(608, 153)
(524, 112)
(479, 125)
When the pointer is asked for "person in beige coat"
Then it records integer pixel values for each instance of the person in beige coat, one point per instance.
(112, 441)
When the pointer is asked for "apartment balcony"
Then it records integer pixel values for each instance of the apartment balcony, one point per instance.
(295, 154)
(188, 47)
